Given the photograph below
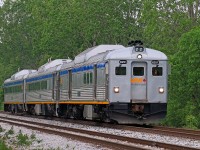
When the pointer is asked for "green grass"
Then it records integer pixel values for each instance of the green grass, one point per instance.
(33, 137)
(23, 139)
(11, 131)
(3, 146)
(1, 129)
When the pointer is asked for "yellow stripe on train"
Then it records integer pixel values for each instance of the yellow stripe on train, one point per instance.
(137, 80)
(65, 102)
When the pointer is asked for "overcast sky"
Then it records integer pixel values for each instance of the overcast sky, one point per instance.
(1, 3)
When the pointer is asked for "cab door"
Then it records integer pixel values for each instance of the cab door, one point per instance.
(139, 82)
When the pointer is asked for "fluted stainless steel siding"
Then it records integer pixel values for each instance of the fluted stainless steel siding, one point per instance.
(64, 89)
(13, 97)
(101, 84)
(43, 95)
(82, 93)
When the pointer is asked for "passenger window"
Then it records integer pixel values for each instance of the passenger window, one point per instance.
(157, 71)
(138, 71)
(120, 71)
(91, 77)
(88, 78)
(43, 85)
(85, 78)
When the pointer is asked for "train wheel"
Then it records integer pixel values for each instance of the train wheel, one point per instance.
(77, 112)
(13, 110)
(104, 117)
(68, 111)
(104, 114)
(31, 109)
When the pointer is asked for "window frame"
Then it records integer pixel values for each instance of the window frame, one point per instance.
(120, 72)
(160, 72)
(88, 78)
(142, 73)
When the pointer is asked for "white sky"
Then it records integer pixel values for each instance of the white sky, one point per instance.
(1, 3)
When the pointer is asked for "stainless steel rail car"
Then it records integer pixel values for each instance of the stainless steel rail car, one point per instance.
(106, 82)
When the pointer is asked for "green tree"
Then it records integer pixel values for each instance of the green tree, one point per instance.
(184, 104)
(16, 35)
(31, 31)
(164, 22)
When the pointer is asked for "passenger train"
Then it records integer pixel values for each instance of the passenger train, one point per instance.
(111, 83)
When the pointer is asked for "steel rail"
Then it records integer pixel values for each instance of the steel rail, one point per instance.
(161, 130)
(103, 135)
(92, 140)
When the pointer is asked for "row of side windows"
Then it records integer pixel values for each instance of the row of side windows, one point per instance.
(82, 79)
(42, 85)
(14, 89)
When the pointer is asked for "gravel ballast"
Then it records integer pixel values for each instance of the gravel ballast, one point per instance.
(139, 135)
(42, 141)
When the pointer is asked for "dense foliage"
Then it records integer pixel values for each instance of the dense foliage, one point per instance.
(184, 101)
(31, 31)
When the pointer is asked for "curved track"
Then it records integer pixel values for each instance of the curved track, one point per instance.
(176, 132)
(106, 140)
(161, 130)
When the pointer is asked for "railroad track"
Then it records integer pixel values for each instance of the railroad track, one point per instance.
(161, 130)
(104, 139)
(175, 132)
(187, 133)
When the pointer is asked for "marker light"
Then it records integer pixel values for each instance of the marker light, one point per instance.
(116, 89)
(161, 90)
(139, 56)
(139, 49)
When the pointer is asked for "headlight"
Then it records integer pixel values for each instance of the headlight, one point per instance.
(116, 89)
(139, 56)
(161, 90)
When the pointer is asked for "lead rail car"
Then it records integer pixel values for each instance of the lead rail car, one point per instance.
(106, 82)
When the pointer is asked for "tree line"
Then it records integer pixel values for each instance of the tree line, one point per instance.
(31, 31)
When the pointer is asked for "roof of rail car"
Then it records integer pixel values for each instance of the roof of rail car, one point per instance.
(128, 53)
(90, 52)
(97, 54)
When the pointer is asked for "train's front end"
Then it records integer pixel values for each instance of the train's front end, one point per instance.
(137, 85)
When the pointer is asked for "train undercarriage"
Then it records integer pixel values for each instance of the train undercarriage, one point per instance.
(122, 113)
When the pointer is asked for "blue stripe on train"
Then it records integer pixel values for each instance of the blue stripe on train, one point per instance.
(13, 83)
(90, 67)
(102, 65)
(84, 68)
(40, 78)
(64, 72)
